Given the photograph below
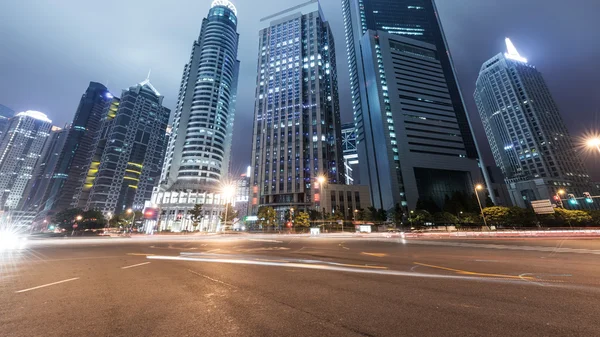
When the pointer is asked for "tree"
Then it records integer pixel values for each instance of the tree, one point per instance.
(266, 216)
(371, 214)
(360, 215)
(65, 219)
(231, 215)
(196, 213)
(382, 215)
(471, 218)
(314, 215)
(92, 219)
(116, 221)
(573, 217)
(595, 217)
(497, 215)
(445, 218)
(397, 214)
(302, 220)
(419, 217)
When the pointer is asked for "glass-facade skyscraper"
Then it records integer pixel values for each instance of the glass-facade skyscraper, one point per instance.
(72, 166)
(297, 130)
(396, 154)
(130, 152)
(198, 153)
(527, 135)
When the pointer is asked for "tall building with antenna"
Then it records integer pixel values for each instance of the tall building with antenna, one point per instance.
(528, 137)
(197, 159)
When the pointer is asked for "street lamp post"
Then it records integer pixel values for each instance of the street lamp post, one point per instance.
(77, 219)
(228, 192)
(477, 189)
(130, 211)
(559, 197)
(322, 180)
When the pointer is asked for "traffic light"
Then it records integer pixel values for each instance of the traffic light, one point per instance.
(572, 199)
(556, 198)
(588, 197)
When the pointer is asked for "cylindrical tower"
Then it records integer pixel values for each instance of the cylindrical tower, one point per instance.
(198, 154)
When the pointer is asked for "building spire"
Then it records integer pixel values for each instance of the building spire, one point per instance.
(512, 52)
(149, 72)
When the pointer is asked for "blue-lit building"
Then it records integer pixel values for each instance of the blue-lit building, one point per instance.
(297, 127)
(65, 189)
(414, 138)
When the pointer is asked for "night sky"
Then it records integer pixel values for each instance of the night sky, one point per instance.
(50, 50)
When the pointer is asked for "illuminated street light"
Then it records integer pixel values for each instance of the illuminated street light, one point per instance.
(594, 143)
(228, 192)
(478, 188)
(79, 218)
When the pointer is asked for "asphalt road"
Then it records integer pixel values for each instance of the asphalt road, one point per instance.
(299, 286)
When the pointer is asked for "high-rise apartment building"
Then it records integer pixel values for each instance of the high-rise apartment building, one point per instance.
(130, 152)
(75, 158)
(528, 137)
(297, 130)
(21, 147)
(406, 101)
(197, 158)
(43, 175)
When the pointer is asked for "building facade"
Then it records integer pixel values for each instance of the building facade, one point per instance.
(350, 153)
(242, 192)
(297, 116)
(21, 147)
(5, 114)
(419, 83)
(79, 148)
(128, 160)
(197, 160)
(528, 137)
(43, 175)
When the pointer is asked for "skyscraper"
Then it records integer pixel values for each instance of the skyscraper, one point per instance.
(75, 158)
(130, 152)
(5, 114)
(20, 149)
(43, 175)
(409, 83)
(198, 154)
(297, 128)
(528, 137)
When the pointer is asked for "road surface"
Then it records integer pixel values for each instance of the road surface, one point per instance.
(301, 286)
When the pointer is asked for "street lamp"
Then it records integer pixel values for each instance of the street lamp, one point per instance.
(130, 211)
(594, 143)
(228, 192)
(478, 188)
(559, 198)
(322, 180)
(77, 219)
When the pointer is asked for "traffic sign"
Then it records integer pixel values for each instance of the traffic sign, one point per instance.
(542, 206)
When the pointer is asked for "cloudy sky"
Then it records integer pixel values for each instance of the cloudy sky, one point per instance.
(51, 49)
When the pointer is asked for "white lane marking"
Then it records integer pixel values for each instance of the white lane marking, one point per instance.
(265, 240)
(507, 247)
(212, 279)
(212, 250)
(136, 265)
(47, 285)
